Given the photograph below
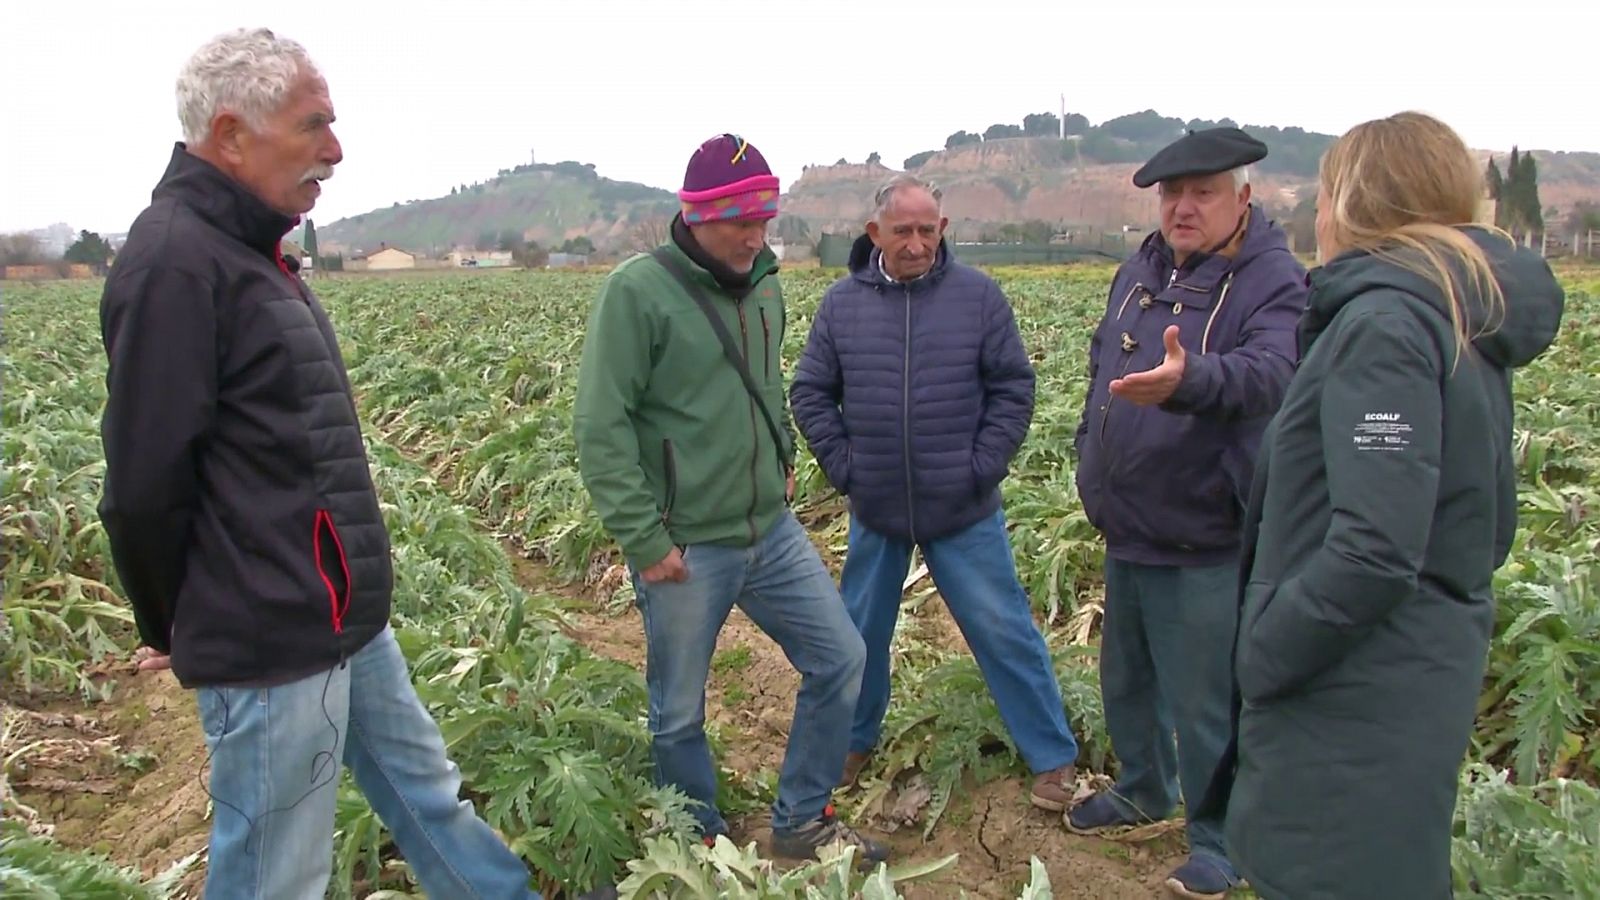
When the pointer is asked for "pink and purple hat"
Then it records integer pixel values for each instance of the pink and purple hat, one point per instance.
(727, 178)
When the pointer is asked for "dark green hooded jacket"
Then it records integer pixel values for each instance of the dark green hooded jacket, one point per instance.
(1384, 500)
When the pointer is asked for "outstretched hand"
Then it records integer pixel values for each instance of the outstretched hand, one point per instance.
(1154, 386)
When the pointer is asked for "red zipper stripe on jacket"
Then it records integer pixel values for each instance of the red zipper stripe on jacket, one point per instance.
(344, 564)
(277, 255)
(336, 613)
(283, 266)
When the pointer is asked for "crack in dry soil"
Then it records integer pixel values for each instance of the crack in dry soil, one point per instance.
(988, 810)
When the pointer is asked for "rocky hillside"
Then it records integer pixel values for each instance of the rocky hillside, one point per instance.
(1015, 180)
(1008, 180)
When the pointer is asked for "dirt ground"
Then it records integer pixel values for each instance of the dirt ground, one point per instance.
(126, 777)
(750, 699)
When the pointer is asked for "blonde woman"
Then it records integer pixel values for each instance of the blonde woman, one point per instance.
(1384, 500)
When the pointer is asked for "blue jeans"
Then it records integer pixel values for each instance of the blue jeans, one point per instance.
(275, 764)
(1165, 649)
(782, 585)
(975, 573)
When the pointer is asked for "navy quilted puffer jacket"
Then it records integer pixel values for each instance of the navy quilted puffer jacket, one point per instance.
(914, 397)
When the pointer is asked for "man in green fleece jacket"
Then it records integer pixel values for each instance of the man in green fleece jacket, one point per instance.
(691, 473)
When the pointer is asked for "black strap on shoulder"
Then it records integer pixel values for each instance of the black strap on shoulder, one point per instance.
(675, 267)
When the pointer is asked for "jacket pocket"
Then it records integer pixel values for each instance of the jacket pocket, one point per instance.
(669, 467)
(1166, 483)
(1087, 474)
(328, 551)
(1256, 596)
(978, 478)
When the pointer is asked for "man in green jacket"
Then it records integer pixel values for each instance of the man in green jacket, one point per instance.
(691, 472)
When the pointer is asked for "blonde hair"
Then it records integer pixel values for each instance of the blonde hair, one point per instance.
(1402, 189)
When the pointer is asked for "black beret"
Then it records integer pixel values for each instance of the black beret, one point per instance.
(1201, 153)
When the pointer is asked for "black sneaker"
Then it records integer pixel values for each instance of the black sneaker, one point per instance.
(803, 842)
(1102, 813)
(1202, 878)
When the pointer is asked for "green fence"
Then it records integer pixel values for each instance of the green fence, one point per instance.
(834, 250)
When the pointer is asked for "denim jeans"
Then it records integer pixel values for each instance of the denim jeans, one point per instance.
(275, 765)
(1165, 665)
(782, 585)
(975, 573)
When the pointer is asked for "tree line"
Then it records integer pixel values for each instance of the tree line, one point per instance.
(1516, 195)
(24, 249)
(1137, 136)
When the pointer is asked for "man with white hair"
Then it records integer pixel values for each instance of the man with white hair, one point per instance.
(915, 393)
(240, 509)
(1190, 362)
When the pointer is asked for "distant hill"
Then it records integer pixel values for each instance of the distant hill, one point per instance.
(1005, 175)
(547, 203)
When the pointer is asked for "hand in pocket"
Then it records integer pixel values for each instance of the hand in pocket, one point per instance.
(671, 568)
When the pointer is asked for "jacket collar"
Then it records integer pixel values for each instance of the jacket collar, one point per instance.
(1204, 271)
(223, 202)
(711, 272)
(866, 265)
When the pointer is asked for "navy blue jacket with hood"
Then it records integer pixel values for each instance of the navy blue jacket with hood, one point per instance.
(1167, 484)
(914, 396)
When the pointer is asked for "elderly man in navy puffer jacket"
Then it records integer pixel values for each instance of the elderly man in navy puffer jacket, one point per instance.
(914, 393)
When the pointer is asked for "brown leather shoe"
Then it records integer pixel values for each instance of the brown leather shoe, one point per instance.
(853, 764)
(1053, 790)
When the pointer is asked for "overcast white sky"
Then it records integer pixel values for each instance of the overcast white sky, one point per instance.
(428, 98)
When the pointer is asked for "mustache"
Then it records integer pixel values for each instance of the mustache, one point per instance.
(317, 173)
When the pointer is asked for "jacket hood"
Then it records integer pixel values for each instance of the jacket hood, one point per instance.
(864, 267)
(1534, 299)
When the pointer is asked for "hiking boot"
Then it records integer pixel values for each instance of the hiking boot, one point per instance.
(803, 842)
(1202, 878)
(853, 764)
(1053, 790)
(1101, 813)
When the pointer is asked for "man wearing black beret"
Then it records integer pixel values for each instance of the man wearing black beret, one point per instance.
(1189, 363)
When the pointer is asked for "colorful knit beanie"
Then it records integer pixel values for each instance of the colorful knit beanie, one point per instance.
(727, 178)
